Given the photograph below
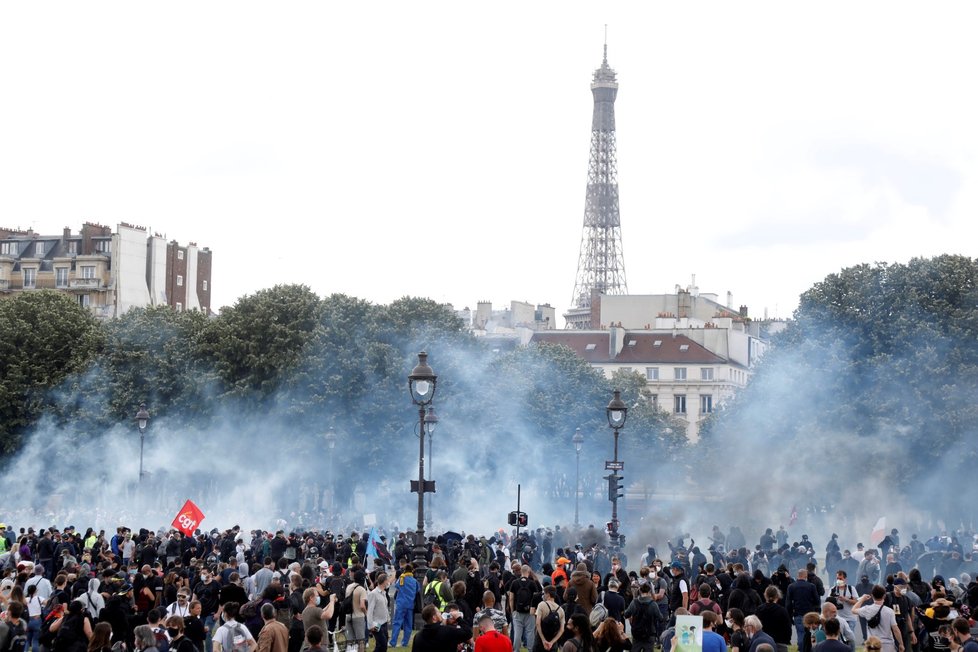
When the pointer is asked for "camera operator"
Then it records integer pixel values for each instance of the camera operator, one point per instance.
(442, 632)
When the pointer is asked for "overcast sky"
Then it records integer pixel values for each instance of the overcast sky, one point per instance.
(440, 149)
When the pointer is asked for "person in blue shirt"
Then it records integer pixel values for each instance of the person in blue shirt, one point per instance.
(407, 589)
(712, 642)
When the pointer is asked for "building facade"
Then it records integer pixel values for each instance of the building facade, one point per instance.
(109, 272)
(693, 352)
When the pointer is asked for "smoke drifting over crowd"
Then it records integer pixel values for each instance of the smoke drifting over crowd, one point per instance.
(839, 424)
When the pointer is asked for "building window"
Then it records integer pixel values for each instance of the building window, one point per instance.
(204, 286)
(103, 246)
(657, 343)
(39, 250)
(684, 347)
(61, 277)
(679, 404)
(84, 300)
(706, 403)
(30, 277)
(179, 281)
(88, 271)
(179, 307)
(652, 373)
(706, 373)
(8, 249)
(590, 347)
(73, 247)
(179, 254)
(679, 373)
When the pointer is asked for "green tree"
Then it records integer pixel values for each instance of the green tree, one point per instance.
(255, 343)
(44, 337)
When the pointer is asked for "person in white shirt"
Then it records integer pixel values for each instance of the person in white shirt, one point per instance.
(42, 583)
(181, 607)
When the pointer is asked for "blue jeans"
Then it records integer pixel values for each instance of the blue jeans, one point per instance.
(403, 621)
(799, 622)
(33, 634)
(209, 625)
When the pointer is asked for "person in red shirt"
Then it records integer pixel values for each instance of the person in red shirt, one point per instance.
(561, 570)
(492, 640)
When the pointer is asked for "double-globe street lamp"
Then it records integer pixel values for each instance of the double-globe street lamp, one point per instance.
(578, 440)
(616, 412)
(421, 383)
(142, 422)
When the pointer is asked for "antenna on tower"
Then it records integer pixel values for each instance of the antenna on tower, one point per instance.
(606, 43)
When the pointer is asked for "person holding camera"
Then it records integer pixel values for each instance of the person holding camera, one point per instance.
(442, 632)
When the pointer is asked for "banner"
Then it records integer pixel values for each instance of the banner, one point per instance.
(689, 634)
(188, 519)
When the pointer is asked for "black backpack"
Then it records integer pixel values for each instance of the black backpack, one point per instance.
(346, 607)
(643, 622)
(550, 624)
(524, 596)
(16, 637)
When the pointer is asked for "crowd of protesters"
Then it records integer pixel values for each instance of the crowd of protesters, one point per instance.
(237, 591)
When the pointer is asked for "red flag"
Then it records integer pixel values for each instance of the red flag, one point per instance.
(794, 516)
(188, 519)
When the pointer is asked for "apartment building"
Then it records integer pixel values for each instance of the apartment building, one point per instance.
(108, 271)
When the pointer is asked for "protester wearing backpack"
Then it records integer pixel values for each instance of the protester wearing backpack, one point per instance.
(522, 593)
(232, 636)
(645, 618)
(549, 621)
(14, 639)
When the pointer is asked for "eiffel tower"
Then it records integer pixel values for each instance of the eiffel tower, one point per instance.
(601, 266)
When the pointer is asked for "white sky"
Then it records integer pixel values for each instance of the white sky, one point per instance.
(761, 146)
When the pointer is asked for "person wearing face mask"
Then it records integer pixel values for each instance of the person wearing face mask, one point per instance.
(734, 621)
(844, 596)
(208, 593)
(175, 630)
(903, 611)
(961, 639)
(314, 614)
(617, 572)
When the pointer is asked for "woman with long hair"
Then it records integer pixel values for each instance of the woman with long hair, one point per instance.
(610, 636)
(583, 640)
(178, 642)
(101, 640)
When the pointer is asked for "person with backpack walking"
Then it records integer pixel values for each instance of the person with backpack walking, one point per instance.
(232, 636)
(15, 638)
(646, 619)
(549, 621)
(522, 593)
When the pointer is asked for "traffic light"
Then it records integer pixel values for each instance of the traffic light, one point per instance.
(521, 519)
(616, 488)
(512, 519)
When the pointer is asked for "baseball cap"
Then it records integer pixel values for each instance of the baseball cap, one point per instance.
(899, 581)
(675, 564)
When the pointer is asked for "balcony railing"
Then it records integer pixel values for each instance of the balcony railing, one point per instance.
(85, 283)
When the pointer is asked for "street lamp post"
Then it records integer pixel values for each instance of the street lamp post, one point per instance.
(578, 440)
(142, 422)
(330, 438)
(616, 411)
(421, 383)
(430, 422)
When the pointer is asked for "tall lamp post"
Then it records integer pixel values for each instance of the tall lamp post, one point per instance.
(616, 411)
(142, 422)
(330, 438)
(421, 383)
(430, 422)
(578, 440)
